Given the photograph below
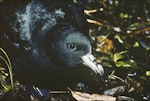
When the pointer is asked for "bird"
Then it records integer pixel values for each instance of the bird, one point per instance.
(47, 42)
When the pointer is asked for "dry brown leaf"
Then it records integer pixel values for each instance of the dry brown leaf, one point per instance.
(103, 97)
(91, 97)
(104, 45)
(97, 23)
(132, 84)
(33, 98)
(94, 22)
(90, 11)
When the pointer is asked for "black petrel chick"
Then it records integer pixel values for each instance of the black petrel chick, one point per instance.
(46, 40)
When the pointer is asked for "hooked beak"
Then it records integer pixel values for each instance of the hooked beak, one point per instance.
(89, 60)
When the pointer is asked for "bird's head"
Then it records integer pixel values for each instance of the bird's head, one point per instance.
(70, 48)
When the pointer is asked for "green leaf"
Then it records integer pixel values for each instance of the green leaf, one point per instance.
(147, 73)
(134, 26)
(6, 87)
(1, 68)
(118, 56)
(122, 64)
(119, 39)
(136, 44)
(133, 64)
(124, 15)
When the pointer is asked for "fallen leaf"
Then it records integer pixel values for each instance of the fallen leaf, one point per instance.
(79, 96)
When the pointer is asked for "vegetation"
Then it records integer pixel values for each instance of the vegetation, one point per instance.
(121, 31)
(3, 74)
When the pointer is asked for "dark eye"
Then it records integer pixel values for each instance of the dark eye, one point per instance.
(71, 46)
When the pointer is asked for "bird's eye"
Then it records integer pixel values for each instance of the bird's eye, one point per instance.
(71, 46)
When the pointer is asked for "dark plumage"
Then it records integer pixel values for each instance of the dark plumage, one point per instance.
(46, 41)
